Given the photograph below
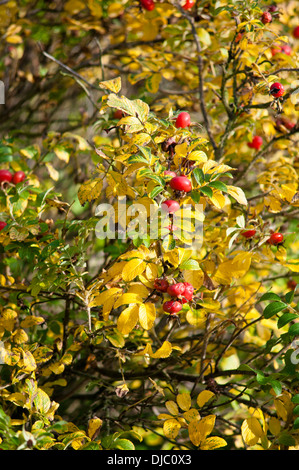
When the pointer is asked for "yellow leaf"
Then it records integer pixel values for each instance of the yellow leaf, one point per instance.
(113, 85)
(28, 361)
(128, 299)
(74, 6)
(104, 296)
(184, 401)
(198, 156)
(31, 321)
(147, 315)
(128, 319)
(20, 336)
(204, 397)
(191, 415)
(94, 424)
(251, 431)
(152, 83)
(163, 352)
(274, 426)
(218, 200)
(132, 269)
(238, 194)
(171, 428)
(14, 39)
(90, 190)
(213, 443)
(172, 407)
(195, 432)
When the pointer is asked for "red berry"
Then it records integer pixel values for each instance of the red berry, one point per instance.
(266, 17)
(169, 173)
(248, 233)
(276, 238)
(2, 225)
(292, 284)
(148, 4)
(181, 183)
(296, 32)
(276, 89)
(118, 114)
(18, 177)
(161, 285)
(188, 4)
(183, 120)
(172, 306)
(286, 49)
(256, 142)
(188, 292)
(285, 122)
(175, 290)
(276, 50)
(5, 176)
(170, 206)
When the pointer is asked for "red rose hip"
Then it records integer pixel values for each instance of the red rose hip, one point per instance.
(181, 183)
(176, 290)
(5, 176)
(292, 284)
(276, 89)
(188, 4)
(147, 4)
(18, 177)
(183, 120)
(170, 206)
(161, 285)
(172, 306)
(296, 32)
(266, 17)
(188, 292)
(256, 142)
(276, 238)
(2, 225)
(248, 233)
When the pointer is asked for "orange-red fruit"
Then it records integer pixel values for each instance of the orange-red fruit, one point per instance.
(118, 114)
(248, 233)
(147, 4)
(292, 284)
(175, 290)
(170, 206)
(266, 17)
(183, 120)
(286, 49)
(5, 176)
(256, 142)
(161, 285)
(296, 32)
(172, 306)
(188, 292)
(276, 89)
(188, 4)
(180, 183)
(2, 225)
(276, 238)
(18, 177)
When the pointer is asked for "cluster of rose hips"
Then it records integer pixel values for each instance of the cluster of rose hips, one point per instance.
(275, 238)
(181, 293)
(150, 4)
(7, 177)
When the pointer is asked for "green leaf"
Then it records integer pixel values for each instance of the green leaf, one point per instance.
(289, 296)
(294, 329)
(190, 264)
(218, 185)
(269, 296)
(123, 444)
(286, 439)
(207, 191)
(296, 410)
(199, 175)
(295, 398)
(157, 190)
(273, 308)
(296, 423)
(285, 319)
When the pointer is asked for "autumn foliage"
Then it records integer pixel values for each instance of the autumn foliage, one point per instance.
(149, 242)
